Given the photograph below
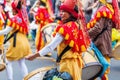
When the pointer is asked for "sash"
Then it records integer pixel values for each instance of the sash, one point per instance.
(101, 58)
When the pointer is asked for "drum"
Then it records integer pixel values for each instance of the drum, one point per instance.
(47, 31)
(92, 67)
(2, 62)
(116, 51)
(37, 74)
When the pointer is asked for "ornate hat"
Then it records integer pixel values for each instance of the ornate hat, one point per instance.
(69, 6)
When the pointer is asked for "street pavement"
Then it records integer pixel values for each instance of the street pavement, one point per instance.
(38, 63)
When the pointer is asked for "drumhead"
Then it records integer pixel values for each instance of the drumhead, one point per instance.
(47, 31)
(37, 74)
(91, 71)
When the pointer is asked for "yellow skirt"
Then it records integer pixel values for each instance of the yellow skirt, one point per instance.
(21, 49)
(72, 66)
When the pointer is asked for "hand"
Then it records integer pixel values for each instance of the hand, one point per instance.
(32, 56)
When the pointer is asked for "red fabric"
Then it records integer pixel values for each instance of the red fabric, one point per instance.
(104, 77)
(43, 15)
(4, 2)
(74, 33)
(40, 45)
(101, 11)
(69, 5)
(18, 23)
(70, 10)
(14, 6)
(42, 18)
(116, 14)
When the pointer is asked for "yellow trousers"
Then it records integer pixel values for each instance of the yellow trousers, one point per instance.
(105, 76)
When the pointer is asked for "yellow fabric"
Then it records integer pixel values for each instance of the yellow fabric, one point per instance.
(44, 1)
(21, 50)
(115, 34)
(71, 62)
(108, 5)
(39, 43)
(1, 40)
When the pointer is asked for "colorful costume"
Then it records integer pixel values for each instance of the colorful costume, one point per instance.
(71, 61)
(22, 47)
(100, 30)
(67, 33)
(19, 46)
(2, 21)
(42, 18)
(75, 37)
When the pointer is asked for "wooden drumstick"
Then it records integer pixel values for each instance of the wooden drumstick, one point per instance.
(46, 58)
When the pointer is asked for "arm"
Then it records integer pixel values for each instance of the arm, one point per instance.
(49, 48)
(93, 32)
(6, 30)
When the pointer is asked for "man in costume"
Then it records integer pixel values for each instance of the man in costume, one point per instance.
(100, 29)
(42, 18)
(19, 46)
(67, 34)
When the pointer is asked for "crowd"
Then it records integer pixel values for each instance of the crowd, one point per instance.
(79, 24)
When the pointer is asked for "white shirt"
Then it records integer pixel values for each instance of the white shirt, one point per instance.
(53, 44)
(6, 30)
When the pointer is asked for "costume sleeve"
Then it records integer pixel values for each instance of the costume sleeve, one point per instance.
(50, 47)
(93, 32)
(6, 30)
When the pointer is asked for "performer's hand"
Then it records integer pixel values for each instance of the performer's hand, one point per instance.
(32, 56)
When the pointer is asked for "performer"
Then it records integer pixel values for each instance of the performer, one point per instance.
(19, 46)
(68, 33)
(42, 18)
(100, 29)
(2, 21)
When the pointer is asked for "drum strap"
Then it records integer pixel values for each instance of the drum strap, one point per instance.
(62, 53)
(12, 35)
(103, 30)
